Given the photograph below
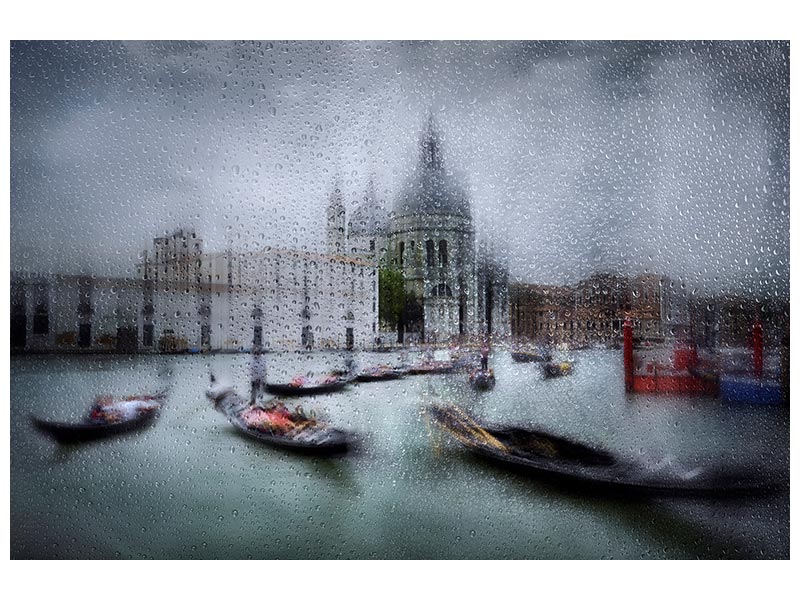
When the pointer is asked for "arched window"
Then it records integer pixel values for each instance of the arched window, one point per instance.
(442, 253)
(441, 291)
(429, 253)
(402, 252)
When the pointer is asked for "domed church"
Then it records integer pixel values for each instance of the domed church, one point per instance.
(429, 237)
(432, 241)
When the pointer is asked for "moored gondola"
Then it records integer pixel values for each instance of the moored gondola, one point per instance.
(380, 374)
(556, 369)
(540, 452)
(307, 389)
(139, 412)
(523, 357)
(431, 368)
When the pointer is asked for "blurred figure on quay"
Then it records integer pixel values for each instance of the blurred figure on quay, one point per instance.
(485, 355)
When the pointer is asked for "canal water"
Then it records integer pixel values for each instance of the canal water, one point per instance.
(190, 487)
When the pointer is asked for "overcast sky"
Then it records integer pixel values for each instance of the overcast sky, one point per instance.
(579, 156)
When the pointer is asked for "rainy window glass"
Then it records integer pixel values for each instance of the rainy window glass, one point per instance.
(399, 300)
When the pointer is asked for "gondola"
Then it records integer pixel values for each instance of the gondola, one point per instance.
(317, 438)
(557, 458)
(523, 357)
(380, 374)
(333, 441)
(559, 369)
(88, 430)
(433, 368)
(287, 389)
(482, 379)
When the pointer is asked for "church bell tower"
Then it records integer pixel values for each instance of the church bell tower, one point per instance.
(335, 229)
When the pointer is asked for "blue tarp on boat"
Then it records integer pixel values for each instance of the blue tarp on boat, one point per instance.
(753, 391)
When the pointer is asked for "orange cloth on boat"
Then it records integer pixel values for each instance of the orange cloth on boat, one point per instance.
(298, 381)
(111, 410)
(274, 418)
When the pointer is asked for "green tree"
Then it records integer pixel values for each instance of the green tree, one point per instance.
(412, 314)
(391, 296)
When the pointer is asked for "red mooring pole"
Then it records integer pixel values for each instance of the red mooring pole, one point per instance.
(627, 353)
(758, 349)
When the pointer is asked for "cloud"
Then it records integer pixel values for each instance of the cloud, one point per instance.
(580, 156)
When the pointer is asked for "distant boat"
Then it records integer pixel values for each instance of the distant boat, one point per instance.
(380, 373)
(431, 368)
(539, 452)
(524, 357)
(482, 379)
(557, 369)
(93, 427)
(300, 387)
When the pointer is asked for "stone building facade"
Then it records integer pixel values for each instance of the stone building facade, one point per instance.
(275, 298)
(592, 311)
(74, 312)
(184, 299)
(727, 320)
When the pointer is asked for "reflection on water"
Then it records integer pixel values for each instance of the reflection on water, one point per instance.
(191, 487)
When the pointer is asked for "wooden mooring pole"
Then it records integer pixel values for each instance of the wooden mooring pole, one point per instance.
(758, 349)
(627, 353)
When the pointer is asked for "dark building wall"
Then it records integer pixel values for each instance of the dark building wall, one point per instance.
(590, 312)
(728, 320)
(19, 323)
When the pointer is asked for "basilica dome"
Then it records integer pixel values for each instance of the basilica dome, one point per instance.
(432, 190)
